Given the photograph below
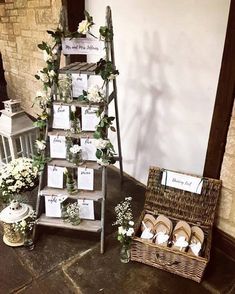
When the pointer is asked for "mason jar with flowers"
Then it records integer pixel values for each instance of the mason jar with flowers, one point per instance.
(70, 182)
(124, 221)
(75, 154)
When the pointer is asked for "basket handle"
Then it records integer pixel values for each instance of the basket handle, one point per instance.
(163, 263)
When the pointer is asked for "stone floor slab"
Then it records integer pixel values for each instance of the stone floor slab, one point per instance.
(13, 274)
(96, 273)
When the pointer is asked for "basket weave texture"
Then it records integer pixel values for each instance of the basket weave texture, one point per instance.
(176, 204)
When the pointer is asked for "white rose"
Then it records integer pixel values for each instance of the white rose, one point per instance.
(43, 77)
(41, 145)
(130, 232)
(121, 231)
(101, 144)
(83, 27)
(73, 108)
(111, 77)
(51, 73)
(95, 94)
(39, 94)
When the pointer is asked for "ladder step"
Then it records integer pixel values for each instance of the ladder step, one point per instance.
(117, 158)
(77, 103)
(85, 225)
(65, 163)
(79, 67)
(68, 133)
(82, 194)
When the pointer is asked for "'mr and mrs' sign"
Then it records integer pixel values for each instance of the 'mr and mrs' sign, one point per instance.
(82, 46)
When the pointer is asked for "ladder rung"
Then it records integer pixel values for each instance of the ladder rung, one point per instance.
(112, 96)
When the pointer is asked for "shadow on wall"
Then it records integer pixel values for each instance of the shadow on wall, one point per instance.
(146, 87)
(3, 90)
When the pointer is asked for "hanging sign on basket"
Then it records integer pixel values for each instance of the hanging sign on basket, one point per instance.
(82, 46)
(182, 181)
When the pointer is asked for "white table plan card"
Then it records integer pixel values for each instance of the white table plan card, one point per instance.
(61, 117)
(57, 146)
(55, 176)
(85, 178)
(53, 205)
(86, 209)
(79, 83)
(89, 118)
(88, 149)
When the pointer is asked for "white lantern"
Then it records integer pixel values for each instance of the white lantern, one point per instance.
(13, 213)
(17, 133)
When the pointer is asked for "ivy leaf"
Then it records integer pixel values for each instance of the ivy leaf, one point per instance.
(37, 77)
(98, 153)
(97, 135)
(112, 129)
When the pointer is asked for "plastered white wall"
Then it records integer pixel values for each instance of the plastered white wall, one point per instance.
(169, 56)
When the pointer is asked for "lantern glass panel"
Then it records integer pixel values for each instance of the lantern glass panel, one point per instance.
(5, 150)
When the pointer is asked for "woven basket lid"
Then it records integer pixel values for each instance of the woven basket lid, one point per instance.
(15, 212)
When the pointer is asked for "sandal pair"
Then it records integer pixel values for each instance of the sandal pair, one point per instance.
(185, 237)
(158, 229)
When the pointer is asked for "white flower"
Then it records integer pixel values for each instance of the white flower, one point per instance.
(43, 77)
(73, 108)
(84, 26)
(47, 57)
(131, 223)
(101, 143)
(130, 232)
(75, 149)
(51, 73)
(39, 94)
(95, 94)
(23, 223)
(41, 145)
(112, 77)
(121, 231)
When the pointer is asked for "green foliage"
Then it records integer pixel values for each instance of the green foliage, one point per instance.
(106, 33)
(106, 69)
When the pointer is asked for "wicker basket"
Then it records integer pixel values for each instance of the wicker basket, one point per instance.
(195, 209)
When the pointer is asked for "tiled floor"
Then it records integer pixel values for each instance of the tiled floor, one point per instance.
(69, 262)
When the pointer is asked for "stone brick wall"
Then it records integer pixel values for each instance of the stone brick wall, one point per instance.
(23, 25)
(226, 214)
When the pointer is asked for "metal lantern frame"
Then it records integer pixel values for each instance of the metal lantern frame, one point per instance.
(17, 133)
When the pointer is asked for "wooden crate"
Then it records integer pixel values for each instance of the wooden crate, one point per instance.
(176, 204)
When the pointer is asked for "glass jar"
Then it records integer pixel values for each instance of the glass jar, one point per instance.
(65, 88)
(125, 253)
(75, 126)
(76, 158)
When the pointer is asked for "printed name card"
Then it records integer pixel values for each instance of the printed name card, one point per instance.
(61, 117)
(89, 118)
(182, 182)
(53, 205)
(55, 176)
(82, 46)
(79, 83)
(88, 149)
(85, 178)
(86, 209)
(57, 146)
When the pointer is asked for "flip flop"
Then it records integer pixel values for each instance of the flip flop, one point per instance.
(196, 242)
(148, 222)
(147, 227)
(181, 236)
(163, 228)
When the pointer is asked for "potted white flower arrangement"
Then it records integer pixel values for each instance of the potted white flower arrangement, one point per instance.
(124, 221)
(18, 176)
(75, 154)
(70, 213)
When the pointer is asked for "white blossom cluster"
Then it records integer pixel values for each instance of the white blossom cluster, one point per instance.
(101, 143)
(17, 176)
(124, 221)
(84, 26)
(40, 145)
(75, 149)
(95, 94)
(50, 57)
(70, 213)
(26, 225)
(42, 98)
